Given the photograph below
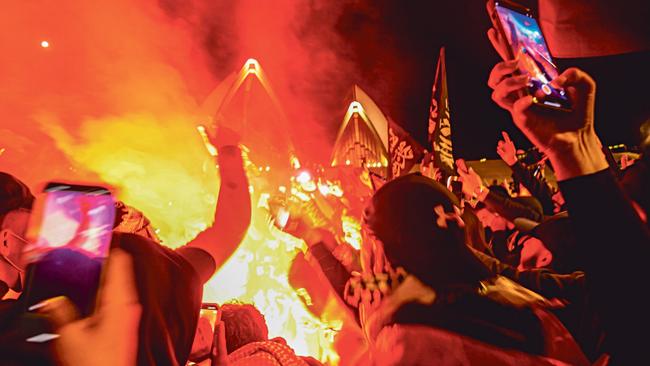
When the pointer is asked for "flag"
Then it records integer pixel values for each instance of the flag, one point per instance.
(376, 180)
(403, 150)
(439, 121)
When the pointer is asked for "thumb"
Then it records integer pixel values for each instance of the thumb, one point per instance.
(219, 348)
(576, 78)
(59, 310)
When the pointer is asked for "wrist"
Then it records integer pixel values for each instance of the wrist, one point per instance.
(481, 193)
(228, 149)
(582, 156)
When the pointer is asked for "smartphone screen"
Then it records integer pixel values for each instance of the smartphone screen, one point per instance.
(527, 43)
(70, 235)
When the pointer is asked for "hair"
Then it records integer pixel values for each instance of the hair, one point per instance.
(244, 324)
(475, 232)
(405, 216)
(14, 194)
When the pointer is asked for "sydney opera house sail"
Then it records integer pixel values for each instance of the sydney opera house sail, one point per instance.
(246, 102)
(363, 135)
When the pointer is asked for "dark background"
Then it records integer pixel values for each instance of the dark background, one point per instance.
(396, 45)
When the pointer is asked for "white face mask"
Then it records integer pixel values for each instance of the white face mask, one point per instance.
(6, 235)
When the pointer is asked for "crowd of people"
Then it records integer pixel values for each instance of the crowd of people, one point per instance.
(535, 275)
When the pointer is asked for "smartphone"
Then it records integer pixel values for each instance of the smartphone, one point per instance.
(203, 338)
(69, 239)
(516, 24)
(455, 186)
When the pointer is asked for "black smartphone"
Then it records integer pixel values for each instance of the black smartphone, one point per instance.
(203, 338)
(518, 27)
(69, 240)
(455, 186)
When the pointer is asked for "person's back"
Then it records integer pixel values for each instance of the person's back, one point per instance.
(170, 292)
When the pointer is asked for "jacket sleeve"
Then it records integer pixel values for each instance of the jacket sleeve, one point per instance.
(615, 244)
(538, 187)
(336, 273)
(509, 208)
(543, 281)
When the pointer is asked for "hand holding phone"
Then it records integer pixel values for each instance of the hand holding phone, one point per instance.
(108, 337)
(517, 36)
(205, 328)
(69, 238)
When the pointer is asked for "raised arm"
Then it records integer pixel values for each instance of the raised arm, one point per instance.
(504, 206)
(536, 186)
(614, 240)
(233, 213)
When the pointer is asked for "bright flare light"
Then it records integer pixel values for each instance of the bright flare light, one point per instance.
(206, 141)
(45, 44)
(252, 66)
(257, 273)
(303, 177)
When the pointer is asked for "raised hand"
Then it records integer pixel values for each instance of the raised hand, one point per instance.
(224, 136)
(568, 138)
(499, 44)
(472, 182)
(507, 85)
(626, 161)
(507, 150)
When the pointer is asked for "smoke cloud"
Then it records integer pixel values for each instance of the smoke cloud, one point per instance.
(118, 91)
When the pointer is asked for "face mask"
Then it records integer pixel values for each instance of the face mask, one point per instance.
(5, 236)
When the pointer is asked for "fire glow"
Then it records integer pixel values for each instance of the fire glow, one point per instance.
(123, 108)
(258, 272)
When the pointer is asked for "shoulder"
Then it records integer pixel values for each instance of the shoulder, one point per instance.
(155, 263)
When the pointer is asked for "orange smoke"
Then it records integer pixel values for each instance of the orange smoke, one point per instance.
(112, 91)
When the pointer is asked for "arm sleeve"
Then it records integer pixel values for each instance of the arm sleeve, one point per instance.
(616, 246)
(509, 208)
(546, 283)
(537, 187)
(200, 260)
(335, 271)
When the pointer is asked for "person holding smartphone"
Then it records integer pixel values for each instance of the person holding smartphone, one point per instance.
(610, 234)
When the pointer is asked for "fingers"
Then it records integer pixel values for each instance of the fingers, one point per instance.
(498, 43)
(462, 168)
(119, 289)
(473, 173)
(506, 137)
(119, 311)
(500, 71)
(219, 348)
(507, 92)
(59, 310)
(576, 78)
(500, 149)
(520, 110)
(225, 136)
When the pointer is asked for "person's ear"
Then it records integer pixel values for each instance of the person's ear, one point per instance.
(4, 242)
